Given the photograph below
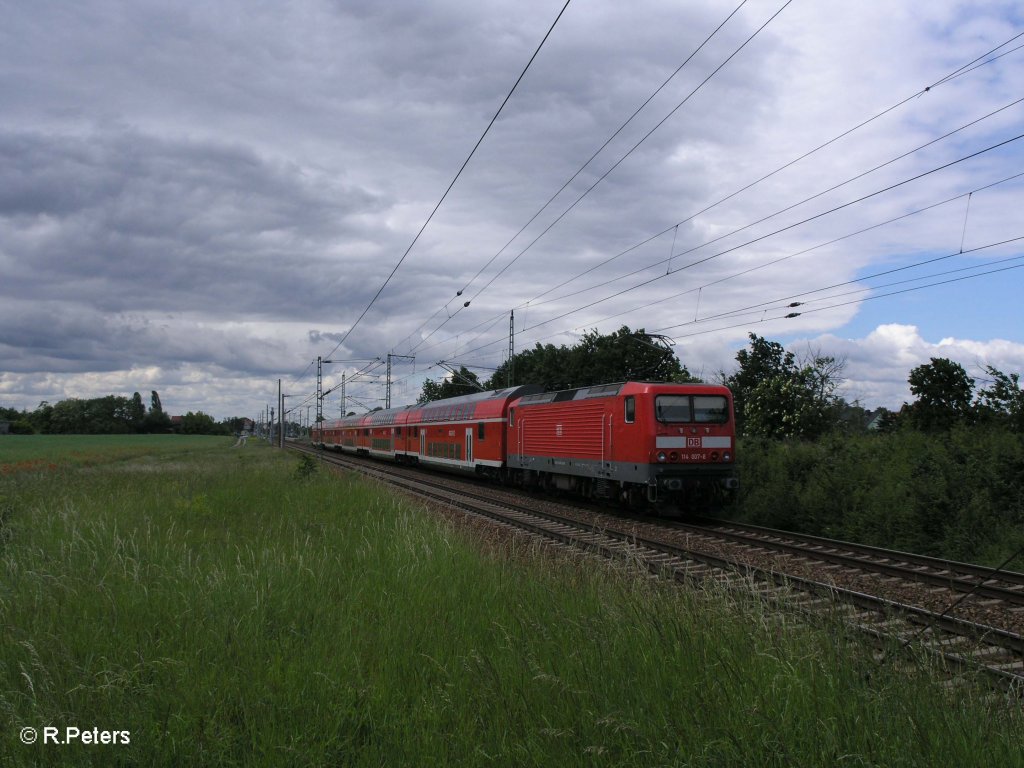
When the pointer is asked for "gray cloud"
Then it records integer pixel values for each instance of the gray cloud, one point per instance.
(128, 222)
(207, 197)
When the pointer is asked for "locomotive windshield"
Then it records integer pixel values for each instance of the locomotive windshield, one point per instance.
(710, 409)
(700, 409)
(672, 408)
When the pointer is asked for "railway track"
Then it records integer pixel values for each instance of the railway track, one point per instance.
(966, 578)
(807, 574)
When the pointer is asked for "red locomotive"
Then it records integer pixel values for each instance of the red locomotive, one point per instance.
(671, 446)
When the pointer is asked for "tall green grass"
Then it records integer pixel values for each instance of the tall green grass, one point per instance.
(233, 609)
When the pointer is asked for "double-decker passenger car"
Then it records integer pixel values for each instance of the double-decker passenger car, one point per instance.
(465, 433)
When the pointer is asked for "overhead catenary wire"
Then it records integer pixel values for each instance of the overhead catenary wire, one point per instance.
(572, 178)
(607, 141)
(959, 72)
(632, 149)
(813, 310)
(966, 68)
(976, 63)
(765, 319)
(670, 270)
(789, 227)
(452, 184)
(719, 238)
(615, 165)
(763, 306)
(792, 315)
(833, 241)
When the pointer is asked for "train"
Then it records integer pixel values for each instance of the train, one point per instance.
(670, 447)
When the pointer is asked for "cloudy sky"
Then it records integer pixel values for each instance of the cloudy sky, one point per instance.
(202, 198)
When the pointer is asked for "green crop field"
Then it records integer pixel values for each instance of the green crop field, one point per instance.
(27, 453)
(200, 604)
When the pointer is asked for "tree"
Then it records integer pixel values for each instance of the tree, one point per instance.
(69, 417)
(41, 417)
(198, 423)
(775, 396)
(624, 355)
(111, 414)
(765, 361)
(943, 391)
(463, 382)
(137, 412)
(546, 365)
(156, 420)
(1002, 400)
(19, 422)
(234, 425)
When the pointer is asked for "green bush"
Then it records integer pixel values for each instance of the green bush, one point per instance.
(957, 495)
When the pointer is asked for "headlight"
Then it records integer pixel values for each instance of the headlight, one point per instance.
(661, 456)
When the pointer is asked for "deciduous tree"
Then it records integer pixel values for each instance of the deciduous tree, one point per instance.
(777, 396)
(463, 382)
(1002, 400)
(624, 355)
(943, 391)
(198, 423)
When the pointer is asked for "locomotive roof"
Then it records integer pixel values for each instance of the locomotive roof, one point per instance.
(583, 393)
(604, 390)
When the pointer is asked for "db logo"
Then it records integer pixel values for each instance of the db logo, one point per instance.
(693, 442)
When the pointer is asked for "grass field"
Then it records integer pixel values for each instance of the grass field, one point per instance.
(224, 607)
(21, 453)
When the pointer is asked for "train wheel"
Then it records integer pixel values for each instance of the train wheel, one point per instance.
(634, 498)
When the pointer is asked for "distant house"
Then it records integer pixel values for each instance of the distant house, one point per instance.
(858, 418)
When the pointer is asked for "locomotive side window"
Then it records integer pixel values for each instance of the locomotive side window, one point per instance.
(480, 430)
(630, 409)
(710, 409)
(672, 408)
(511, 417)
